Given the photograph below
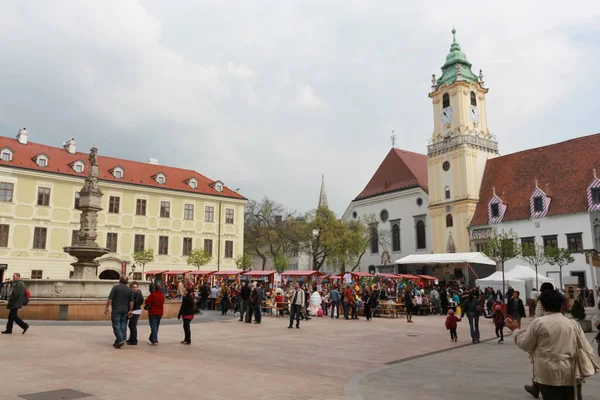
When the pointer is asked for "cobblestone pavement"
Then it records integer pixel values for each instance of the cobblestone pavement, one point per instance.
(229, 359)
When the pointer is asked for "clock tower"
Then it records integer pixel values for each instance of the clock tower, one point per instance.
(458, 150)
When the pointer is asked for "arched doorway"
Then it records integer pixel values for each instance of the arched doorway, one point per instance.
(109, 274)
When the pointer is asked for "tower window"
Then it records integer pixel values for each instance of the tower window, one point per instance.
(396, 237)
(447, 192)
(473, 99)
(421, 241)
(446, 100)
(449, 221)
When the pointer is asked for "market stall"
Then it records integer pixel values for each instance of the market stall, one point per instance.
(221, 277)
(200, 277)
(266, 277)
(463, 268)
(155, 275)
(309, 277)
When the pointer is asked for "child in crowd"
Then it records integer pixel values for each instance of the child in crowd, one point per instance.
(451, 324)
(499, 324)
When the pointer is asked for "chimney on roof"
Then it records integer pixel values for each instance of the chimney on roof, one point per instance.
(153, 161)
(70, 146)
(22, 136)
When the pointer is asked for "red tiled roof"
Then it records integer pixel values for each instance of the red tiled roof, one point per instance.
(399, 170)
(563, 171)
(134, 172)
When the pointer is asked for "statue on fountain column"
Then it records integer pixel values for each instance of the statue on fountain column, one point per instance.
(91, 182)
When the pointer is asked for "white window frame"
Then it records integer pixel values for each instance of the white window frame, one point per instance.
(7, 152)
(160, 177)
(193, 183)
(78, 164)
(118, 171)
(39, 159)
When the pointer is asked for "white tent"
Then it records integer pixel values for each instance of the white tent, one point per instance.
(447, 258)
(526, 273)
(495, 281)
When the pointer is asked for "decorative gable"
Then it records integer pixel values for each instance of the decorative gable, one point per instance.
(539, 202)
(41, 160)
(593, 194)
(78, 166)
(496, 209)
(6, 154)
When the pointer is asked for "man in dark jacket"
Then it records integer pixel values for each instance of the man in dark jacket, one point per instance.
(255, 304)
(15, 301)
(245, 303)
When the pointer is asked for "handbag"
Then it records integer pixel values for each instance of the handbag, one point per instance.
(586, 364)
(147, 306)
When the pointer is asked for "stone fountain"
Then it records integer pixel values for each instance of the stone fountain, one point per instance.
(86, 250)
(83, 296)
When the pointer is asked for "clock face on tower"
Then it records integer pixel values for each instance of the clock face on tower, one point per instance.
(446, 115)
(474, 114)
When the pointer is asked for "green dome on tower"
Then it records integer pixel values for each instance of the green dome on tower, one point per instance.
(457, 67)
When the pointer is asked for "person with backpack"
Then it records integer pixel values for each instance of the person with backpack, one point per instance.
(18, 298)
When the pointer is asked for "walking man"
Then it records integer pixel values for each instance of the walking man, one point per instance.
(334, 295)
(121, 301)
(245, 303)
(15, 301)
(298, 301)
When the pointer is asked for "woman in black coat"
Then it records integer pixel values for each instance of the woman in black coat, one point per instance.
(138, 301)
(186, 311)
(444, 301)
(515, 308)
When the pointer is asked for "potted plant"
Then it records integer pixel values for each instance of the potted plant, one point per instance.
(578, 313)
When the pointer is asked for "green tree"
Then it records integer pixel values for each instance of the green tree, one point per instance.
(502, 247)
(320, 235)
(143, 257)
(535, 256)
(351, 245)
(198, 258)
(243, 262)
(281, 263)
(561, 257)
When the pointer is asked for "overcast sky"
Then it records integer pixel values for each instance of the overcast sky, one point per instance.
(268, 95)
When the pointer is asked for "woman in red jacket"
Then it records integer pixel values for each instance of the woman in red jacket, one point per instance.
(155, 302)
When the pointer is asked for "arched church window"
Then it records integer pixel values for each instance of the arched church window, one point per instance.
(421, 239)
(449, 222)
(396, 237)
(374, 239)
(473, 99)
(446, 100)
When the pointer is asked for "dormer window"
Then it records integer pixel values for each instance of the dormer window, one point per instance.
(41, 160)
(495, 210)
(218, 186)
(161, 179)
(117, 172)
(78, 166)
(538, 204)
(6, 155)
(596, 196)
(193, 183)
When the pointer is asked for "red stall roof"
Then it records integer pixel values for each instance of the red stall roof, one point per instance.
(335, 277)
(178, 272)
(302, 273)
(408, 276)
(428, 277)
(362, 274)
(157, 272)
(391, 276)
(202, 272)
(259, 273)
(354, 274)
(233, 272)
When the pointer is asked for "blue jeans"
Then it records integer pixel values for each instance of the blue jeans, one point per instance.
(335, 305)
(154, 325)
(119, 324)
(346, 310)
(474, 325)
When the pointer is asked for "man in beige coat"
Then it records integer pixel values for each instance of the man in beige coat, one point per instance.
(552, 340)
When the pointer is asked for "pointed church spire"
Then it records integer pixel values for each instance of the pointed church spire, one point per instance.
(457, 67)
(323, 194)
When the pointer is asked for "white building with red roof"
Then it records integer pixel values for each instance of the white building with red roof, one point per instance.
(145, 205)
(395, 206)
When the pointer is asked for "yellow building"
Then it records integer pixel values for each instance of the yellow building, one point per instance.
(145, 205)
(459, 148)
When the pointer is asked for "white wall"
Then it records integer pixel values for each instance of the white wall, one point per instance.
(560, 226)
(400, 205)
